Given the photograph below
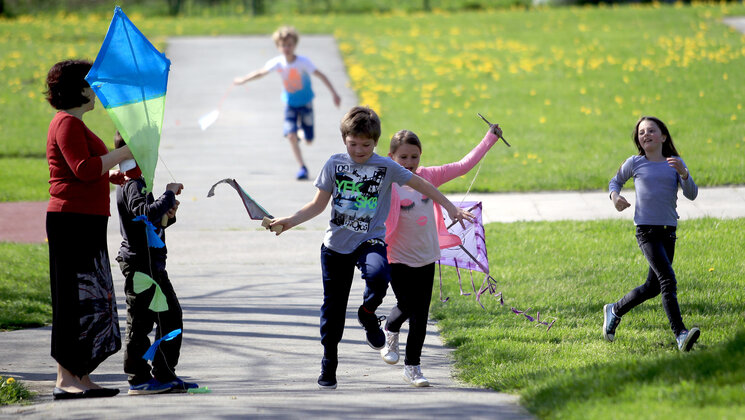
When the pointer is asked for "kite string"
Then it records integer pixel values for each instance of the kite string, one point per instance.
(472, 181)
(166, 166)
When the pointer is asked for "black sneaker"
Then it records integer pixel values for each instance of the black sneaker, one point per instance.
(371, 323)
(327, 379)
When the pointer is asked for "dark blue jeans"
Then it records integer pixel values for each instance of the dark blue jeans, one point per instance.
(338, 273)
(658, 246)
(413, 289)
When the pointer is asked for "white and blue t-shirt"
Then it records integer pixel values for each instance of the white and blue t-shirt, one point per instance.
(297, 90)
(361, 198)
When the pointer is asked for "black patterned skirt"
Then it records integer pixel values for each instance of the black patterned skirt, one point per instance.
(85, 324)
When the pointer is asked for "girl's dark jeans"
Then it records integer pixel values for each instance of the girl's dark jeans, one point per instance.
(338, 272)
(658, 246)
(413, 289)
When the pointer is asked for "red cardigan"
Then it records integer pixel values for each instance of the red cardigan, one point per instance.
(76, 183)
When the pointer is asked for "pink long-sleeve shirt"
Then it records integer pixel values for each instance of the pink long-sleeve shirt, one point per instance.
(436, 175)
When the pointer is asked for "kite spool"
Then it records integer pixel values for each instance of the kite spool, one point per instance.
(276, 228)
(164, 220)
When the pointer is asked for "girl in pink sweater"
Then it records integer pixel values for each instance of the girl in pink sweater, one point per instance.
(415, 233)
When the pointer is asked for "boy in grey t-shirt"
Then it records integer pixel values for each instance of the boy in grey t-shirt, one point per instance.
(360, 183)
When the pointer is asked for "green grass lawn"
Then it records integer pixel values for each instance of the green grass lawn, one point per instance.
(567, 271)
(566, 84)
(25, 299)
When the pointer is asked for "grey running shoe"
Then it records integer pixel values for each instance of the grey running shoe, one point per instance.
(610, 322)
(687, 338)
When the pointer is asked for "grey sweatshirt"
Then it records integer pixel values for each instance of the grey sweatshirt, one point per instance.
(656, 185)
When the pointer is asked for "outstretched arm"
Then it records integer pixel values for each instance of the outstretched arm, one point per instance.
(325, 80)
(450, 171)
(456, 213)
(309, 211)
(250, 76)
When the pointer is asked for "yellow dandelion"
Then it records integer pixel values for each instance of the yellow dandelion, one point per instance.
(725, 77)
(709, 141)
(542, 120)
(701, 94)
(733, 117)
(582, 91)
(547, 102)
(10, 381)
(618, 99)
(516, 155)
(532, 92)
(711, 269)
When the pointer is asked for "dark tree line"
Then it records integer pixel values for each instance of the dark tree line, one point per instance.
(255, 6)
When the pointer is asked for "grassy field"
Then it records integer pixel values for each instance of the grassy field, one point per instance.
(567, 271)
(566, 84)
(25, 300)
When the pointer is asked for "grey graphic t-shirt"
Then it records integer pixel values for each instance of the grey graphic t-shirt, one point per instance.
(360, 198)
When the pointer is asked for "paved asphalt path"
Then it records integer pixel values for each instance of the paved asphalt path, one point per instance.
(251, 300)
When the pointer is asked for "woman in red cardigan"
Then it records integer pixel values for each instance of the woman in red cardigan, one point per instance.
(85, 325)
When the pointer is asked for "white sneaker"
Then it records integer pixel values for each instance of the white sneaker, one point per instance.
(389, 353)
(413, 375)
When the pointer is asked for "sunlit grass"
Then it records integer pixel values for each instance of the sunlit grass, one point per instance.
(566, 84)
(25, 299)
(567, 271)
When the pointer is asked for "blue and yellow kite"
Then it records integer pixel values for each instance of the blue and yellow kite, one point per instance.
(130, 77)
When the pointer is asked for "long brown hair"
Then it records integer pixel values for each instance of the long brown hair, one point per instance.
(668, 147)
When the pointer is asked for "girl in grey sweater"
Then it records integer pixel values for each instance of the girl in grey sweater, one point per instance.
(657, 171)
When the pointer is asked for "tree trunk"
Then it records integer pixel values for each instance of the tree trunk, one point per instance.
(257, 7)
(174, 7)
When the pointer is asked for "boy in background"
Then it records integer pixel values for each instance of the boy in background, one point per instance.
(297, 93)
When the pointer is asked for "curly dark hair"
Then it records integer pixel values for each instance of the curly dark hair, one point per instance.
(65, 84)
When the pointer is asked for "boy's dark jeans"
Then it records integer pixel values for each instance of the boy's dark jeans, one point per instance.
(140, 321)
(338, 273)
(658, 246)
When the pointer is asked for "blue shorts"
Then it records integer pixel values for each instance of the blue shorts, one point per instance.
(302, 116)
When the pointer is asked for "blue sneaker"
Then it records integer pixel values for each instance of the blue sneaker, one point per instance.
(687, 338)
(179, 386)
(153, 386)
(371, 323)
(302, 173)
(610, 322)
